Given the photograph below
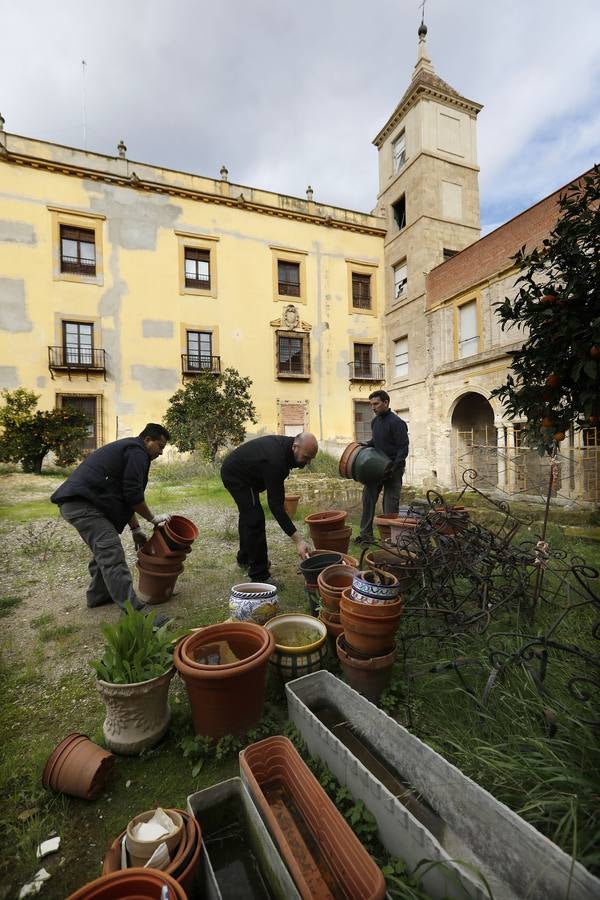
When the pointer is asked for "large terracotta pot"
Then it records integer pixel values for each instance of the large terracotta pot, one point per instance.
(180, 530)
(78, 767)
(291, 659)
(327, 520)
(160, 564)
(333, 862)
(369, 677)
(157, 587)
(371, 610)
(131, 884)
(402, 530)
(347, 459)
(156, 545)
(184, 861)
(332, 623)
(253, 602)
(383, 522)
(137, 715)
(225, 698)
(331, 582)
(401, 563)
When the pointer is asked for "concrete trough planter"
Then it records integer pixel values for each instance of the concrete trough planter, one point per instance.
(274, 873)
(455, 819)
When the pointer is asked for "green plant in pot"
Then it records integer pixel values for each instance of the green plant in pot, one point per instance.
(133, 678)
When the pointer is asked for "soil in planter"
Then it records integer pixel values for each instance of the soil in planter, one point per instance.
(364, 751)
(234, 864)
(315, 869)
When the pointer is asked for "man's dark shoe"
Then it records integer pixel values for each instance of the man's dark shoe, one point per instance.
(160, 620)
(100, 601)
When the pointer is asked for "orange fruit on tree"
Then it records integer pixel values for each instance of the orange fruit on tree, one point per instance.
(548, 299)
(547, 422)
(558, 436)
(553, 381)
(595, 352)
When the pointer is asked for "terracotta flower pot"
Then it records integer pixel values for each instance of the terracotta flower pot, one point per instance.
(347, 459)
(334, 627)
(369, 677)
(160, 564)
(339, 541)
(373, 636)
(78, 767)
(253, 602)
(290, 504)
(326, 521)
(291, 660)
(391, 610)
(383, 524)
(400, 563)
(290, 799)
(226, 698)
(180, 530)
(184, 861)
(401, 531)
(137, 715)
(331, 582)
(130, 884)
(157, 587)
(157, 546)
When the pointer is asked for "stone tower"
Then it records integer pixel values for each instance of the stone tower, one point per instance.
(429, 194)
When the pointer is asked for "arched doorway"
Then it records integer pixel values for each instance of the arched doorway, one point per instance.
(474, 439)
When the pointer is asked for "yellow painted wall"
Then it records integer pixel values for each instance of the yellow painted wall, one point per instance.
(137, 306)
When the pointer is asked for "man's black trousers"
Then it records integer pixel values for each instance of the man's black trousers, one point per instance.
(251, 528)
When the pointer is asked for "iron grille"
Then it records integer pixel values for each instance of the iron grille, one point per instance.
(193, 364)
(367, 371)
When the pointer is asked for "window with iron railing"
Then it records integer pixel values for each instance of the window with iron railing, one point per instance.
(199, 350)
(293, 354)
(77, 250)
(361, 291)
(288, 278)
(78, 343)
(363, 360)
(197, 268)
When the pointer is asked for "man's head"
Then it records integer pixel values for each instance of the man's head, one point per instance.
(380, 402)
(304, 448)
(155, 439)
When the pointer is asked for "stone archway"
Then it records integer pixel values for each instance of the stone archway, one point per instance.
(474, 438)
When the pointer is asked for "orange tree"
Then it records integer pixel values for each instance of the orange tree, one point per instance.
(28, 434)
(555, 377)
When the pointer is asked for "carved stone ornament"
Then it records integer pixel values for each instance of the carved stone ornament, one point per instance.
(290, 320)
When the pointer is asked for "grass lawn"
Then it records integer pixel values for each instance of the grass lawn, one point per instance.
(532, 750)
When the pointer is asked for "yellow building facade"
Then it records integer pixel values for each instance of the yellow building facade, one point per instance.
(120, 280)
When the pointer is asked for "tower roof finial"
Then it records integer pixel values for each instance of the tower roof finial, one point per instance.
(423, 62)
(422, 27)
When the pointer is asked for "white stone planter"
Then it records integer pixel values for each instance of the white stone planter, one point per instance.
(137, 715)
(516, 860)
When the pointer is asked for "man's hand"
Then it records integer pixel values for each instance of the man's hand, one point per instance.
(160, 519)
(139, 537)
(302, 548)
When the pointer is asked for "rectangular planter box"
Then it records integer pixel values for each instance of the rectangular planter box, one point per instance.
(272, 867)
(516, 859)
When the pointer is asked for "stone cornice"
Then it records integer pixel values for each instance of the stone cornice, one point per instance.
(233, 196)
(423, 91)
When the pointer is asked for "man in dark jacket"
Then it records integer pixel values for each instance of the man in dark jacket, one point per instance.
(263, 464)
(390, 435)
(103, 495)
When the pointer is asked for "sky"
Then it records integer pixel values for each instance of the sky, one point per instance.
(287, 94)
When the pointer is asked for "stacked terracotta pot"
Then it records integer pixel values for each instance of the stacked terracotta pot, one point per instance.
(184, 850)
(331, 582)
(138, 883)
(328, 530)
(370, 612)
(160, 560)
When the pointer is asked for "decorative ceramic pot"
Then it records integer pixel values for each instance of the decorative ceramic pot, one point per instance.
(137, 715)
(157, 587)
(225, 697)
(253, 602)
(369, 677)
(142, 884)
(373, 586)
(78, 767)
(281, 782)
(299, 645)
(290, 504)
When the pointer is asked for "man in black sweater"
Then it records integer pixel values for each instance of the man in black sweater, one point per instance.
(390, 435)
(263, 464)
(102, 495)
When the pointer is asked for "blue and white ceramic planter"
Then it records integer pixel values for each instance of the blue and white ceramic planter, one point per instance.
(374, 587)
(253, 602)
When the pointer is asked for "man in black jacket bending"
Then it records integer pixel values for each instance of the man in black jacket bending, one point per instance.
(390, 435)
(102, 496)
(258, 465)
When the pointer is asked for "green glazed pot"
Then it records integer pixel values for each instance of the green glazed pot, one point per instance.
(370, 466)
